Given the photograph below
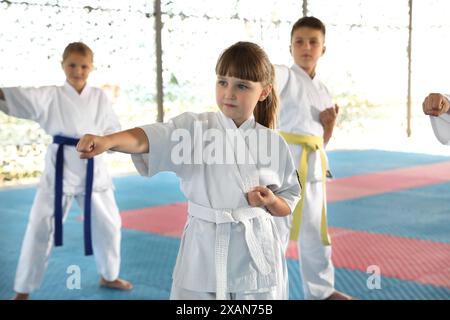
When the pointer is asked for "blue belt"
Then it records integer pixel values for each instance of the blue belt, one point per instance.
(59, 167)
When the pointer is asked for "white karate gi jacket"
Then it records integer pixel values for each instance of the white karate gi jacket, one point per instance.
(60, 110)
(222, 186)
(302, 99)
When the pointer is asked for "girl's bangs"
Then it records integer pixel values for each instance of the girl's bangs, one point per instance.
(240, 64)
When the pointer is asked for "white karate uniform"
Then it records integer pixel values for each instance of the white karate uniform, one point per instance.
(441, 126)
(302, 100)
(60, 110)
(206, 266)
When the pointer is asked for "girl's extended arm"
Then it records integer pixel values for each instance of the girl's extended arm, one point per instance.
(128, 141)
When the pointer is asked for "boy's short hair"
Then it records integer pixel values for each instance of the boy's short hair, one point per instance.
(308, 22)
(78, 47)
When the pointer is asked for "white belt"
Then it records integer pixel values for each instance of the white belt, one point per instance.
(223, 218)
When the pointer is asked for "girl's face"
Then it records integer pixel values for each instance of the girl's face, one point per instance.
(237, 98)
(77, 68)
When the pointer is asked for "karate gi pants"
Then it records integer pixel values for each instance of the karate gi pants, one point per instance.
(315, 265)
(39, 237)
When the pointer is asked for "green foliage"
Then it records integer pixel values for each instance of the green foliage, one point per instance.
(353, 110)
(141, 94)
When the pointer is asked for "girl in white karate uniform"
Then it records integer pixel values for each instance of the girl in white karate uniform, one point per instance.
(66, 112)
(236, 173)
(437, 106)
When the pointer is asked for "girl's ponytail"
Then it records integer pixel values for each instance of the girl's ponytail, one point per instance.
(266, 111)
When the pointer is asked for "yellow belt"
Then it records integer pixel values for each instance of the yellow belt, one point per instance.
(309, 144)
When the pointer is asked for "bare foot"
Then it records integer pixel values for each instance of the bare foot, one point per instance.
(337, 295)
(119, 284)
(20, 296)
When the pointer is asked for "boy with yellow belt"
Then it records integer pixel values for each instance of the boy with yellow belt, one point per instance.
(306, 120)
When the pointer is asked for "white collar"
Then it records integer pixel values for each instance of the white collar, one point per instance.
(300, 70)
(72, 90)
(229, 123)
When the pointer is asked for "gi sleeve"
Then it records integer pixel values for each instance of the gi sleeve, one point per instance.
(441, 128)
(281, 77)
(289, 190)
(166, 142)
(29, 103)
(3, 106)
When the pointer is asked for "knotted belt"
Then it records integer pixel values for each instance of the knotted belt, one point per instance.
(309, 144)
(223, 219)
(59, 177)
